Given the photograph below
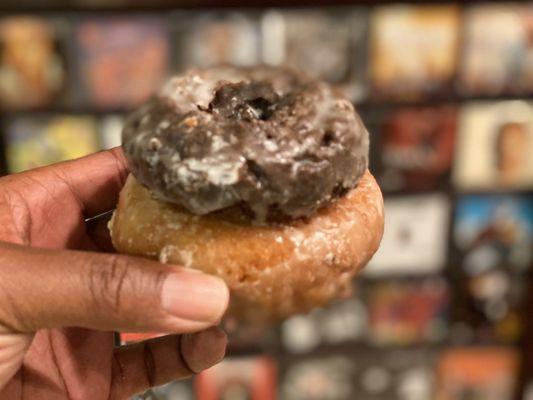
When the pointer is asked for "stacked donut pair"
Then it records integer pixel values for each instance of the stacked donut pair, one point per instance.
(257, 175)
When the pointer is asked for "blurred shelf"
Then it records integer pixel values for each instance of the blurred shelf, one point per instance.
(453, 192)
(165, 5)
(363, 106)
(54, 110)
(436, 100)
(359, 347)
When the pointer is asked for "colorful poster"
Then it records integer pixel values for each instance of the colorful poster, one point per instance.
(498, 54)
(213, 39)
(484, 373)
(415, 236)
(413, 50)
(121, 61)
(38, 141)
(495, 143)
(32, 70)
(417, 147)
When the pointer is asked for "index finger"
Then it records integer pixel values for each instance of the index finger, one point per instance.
(94, 181)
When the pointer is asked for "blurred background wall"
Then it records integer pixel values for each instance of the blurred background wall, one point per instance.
(443, 311)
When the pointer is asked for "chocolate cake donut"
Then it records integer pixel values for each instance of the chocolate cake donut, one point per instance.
(268, 140)
(257, 175)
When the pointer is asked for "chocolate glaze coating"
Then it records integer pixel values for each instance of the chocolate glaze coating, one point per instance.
(269, 140)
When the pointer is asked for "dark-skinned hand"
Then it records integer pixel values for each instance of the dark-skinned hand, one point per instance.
(63, 293)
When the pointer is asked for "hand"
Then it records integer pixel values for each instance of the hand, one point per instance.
(61, 299)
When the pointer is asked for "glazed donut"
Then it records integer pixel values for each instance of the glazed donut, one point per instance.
(257, 175)
(268, 140)
(272, 270)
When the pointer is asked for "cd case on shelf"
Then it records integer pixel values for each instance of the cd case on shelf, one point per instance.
(120, 61)
(415, 236)
(416, 147)
(495, 143)
(32, 61)
(413, 50)
(497, 58)
(42, 140)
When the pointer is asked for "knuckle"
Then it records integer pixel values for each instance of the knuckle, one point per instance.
(106, 282)
(14, 317)
(115, 285)
(11, 316)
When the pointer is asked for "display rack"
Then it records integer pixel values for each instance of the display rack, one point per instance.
(374, 113)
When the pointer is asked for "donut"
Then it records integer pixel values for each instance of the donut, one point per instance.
(256, 175)
(269, 140)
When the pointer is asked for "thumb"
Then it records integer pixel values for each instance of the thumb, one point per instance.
(51, 289)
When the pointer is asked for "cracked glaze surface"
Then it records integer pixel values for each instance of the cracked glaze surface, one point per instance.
(269, 141)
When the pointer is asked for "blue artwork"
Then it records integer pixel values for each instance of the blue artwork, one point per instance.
(494, 231)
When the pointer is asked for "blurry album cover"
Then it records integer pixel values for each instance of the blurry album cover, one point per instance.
(494, 231)
(121, 60)
(329, 45)
(484, 373)
(415, 236)
(492, 306)
(211, 39)
(343, 321)
(417, 147)
(319, 378)
(36, 141)
(407, 312)
(32, 68)
(251, 378)
(413, 50)
(498, 53)
(494, 236)
(111, 131)
(394, 374)
(495, 143)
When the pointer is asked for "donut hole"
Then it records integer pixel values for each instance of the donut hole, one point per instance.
(262, 108)
(244, 101)
(328, 138)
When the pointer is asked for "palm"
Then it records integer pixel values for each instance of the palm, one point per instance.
(60, 363)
